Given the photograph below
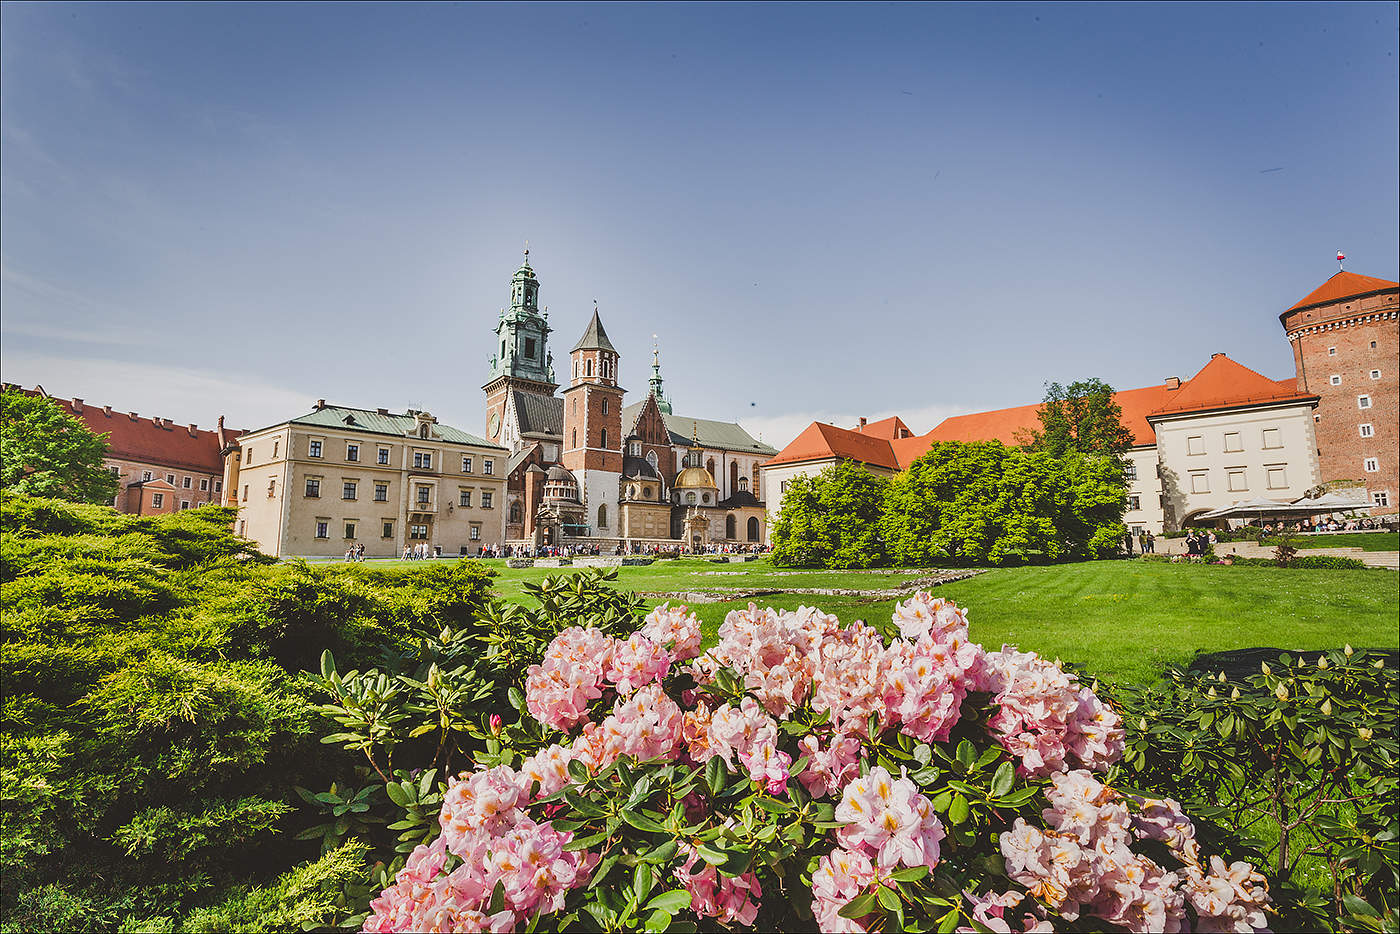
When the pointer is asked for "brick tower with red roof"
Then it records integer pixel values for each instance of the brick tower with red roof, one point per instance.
(1346, 348)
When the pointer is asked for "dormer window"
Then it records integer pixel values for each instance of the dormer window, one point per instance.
(423, 431)
(635, 449)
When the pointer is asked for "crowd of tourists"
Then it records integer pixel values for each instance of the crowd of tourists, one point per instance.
(1364, 524)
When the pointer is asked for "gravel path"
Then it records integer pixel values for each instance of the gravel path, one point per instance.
(726, 594)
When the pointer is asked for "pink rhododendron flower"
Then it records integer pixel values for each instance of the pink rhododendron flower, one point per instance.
(636, 662)
(841, 875)
(673, 626)
(730, 899)
(924, 615)
(829, 767)
(887, 818)
(646, 725)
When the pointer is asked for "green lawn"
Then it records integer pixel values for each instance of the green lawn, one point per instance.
(1124, 620)
(1366, 541)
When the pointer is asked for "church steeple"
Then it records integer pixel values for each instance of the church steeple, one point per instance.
(522, 332)
(661, 401)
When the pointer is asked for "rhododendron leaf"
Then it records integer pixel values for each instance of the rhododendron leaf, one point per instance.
(772, 805)
(966, 754)
(873, 728)
(922, 754)
(858, 907)
(601, 873)
(578, 771)
(1004, 778)
(639, 791)
(671, 902)
(736, 863)
(925, 776)
(710, 855)
(1017, 798)
(327, 664)
(642, 881)
(887, 897)
(662, 853)
(958, 809)
(715, 774)
(912, 874)
(583, 843)
(949, 922)
(642, 822)
(517, 700)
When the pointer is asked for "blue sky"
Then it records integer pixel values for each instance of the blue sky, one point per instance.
(823, 211)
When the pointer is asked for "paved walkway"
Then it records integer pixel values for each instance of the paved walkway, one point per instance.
(1376, 559)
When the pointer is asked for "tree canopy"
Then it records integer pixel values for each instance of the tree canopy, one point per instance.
(1080, 417)
(832, 520)
(44, 451)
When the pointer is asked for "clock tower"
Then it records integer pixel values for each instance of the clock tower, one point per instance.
(522, 359)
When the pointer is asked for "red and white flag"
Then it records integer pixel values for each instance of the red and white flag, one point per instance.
(1341, 256)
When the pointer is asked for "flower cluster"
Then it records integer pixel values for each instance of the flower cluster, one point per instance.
(1082, 864)
(827, 694)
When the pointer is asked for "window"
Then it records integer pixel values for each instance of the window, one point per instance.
(487, 467)
(1367, 430)
(352, 452)
(387, 531)
(313, 449)
(218, 486)
(203, 483)
(1130, 471)
(1373, 345)
(271, 488)
(1363, 402)
(349, 530)
(1233, 443)
(588, 368)
(486, 499)
(782, 487)
(604, 435)
(184, 504)
(157, 500)
(275, 443)
(383, 455)
(1195, 445)
(651, 459)
(729, 526)
(170, 479)
(381, 491)
(603, 516)
(419, 532)
(605, 406)
(145, 475)
(423, 460)
(313, 487)
(464, 497)
(350, 491)
(466, 465)
(1380, 497)
(1372, 465)
(705, 498)
(753, 528)
(646, 491)
(187, 482)
(242, 528)
(743, 484)
(1134, 503)
(247, 457)
(515, 512)
(1331, 351)
(423, 493)
(1277, 476)
(529, 348)
(1273, 438)
(573, 437)
(1335, 380)
(634, 448)
(475, 531)
(1235, 480)
(423, 431)
(1375, 374)
(323, 528)
(245, 492)
(690, 499)
(1200, 482)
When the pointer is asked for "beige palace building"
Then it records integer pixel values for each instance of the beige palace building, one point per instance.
(337, 477)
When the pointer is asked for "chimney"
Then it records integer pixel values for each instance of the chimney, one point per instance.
(77, 405)
(107, 411)
(382, 411)
(862, 423)
(194, 430)
(1173, 382)
(320, 404)
(134, 417)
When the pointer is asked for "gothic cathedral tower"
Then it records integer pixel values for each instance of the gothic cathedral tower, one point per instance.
(592, 446)
(522, 359)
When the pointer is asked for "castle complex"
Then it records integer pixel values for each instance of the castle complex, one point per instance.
(586, 468)
(1226, 435)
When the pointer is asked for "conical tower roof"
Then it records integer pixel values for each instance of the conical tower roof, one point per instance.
(595, 338)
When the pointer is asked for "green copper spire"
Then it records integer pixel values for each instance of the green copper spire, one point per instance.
(522, 331)
(661, 401)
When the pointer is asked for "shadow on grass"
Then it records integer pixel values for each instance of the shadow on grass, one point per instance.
(1242, 663)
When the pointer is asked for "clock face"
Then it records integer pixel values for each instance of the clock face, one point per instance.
(494, 427)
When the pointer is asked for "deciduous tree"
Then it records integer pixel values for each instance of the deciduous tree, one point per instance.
(44, 451)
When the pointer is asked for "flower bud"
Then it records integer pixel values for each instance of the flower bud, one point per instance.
(1210, 693)
(1281, 692)
(1378, 663)
(1264, 667)
(1322, 661)
(1222, 677)
(1364, 733)
(1142, 724)
(1348, 651)
(495, 724)
(1327, 707)
(1235, 694)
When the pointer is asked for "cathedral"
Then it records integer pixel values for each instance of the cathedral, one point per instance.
(586, 469)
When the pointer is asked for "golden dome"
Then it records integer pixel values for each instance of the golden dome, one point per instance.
(695, 478)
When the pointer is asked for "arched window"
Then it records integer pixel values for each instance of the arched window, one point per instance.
(729, 526)
(605, 406)
(603, 516)
(733, 477)
(604, 443)
(755, 479)
(575, 364)
(690, 499)
(651, 459)
(423, 431)
(710, 466)
(753, 528)
(588, 368)
(573, 438)
(515, 512)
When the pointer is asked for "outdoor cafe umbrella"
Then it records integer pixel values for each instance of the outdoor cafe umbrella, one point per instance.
(1258, 509)
(1333, 502)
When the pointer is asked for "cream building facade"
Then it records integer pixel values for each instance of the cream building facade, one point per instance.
(337, 477)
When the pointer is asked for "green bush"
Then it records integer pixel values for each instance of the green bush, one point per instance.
(1328, 562)
(1300, 760)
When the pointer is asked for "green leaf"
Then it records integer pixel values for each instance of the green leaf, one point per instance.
(641, 821)
(583, 843)
(397, 794)
(913, 874)
(887, 898)
(1004, 778)
(966, 754)
(642, 881)
(671, 902)
(663, 852)
(710, 855)
(603, 869)
(715, 774)
(858, 907)
(958, 810)
(517, 699)
(578, 771)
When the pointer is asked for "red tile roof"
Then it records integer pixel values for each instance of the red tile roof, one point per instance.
(1343, 285)
(1221, 383)
(888, 428)
(150, 440)
(820, 441)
